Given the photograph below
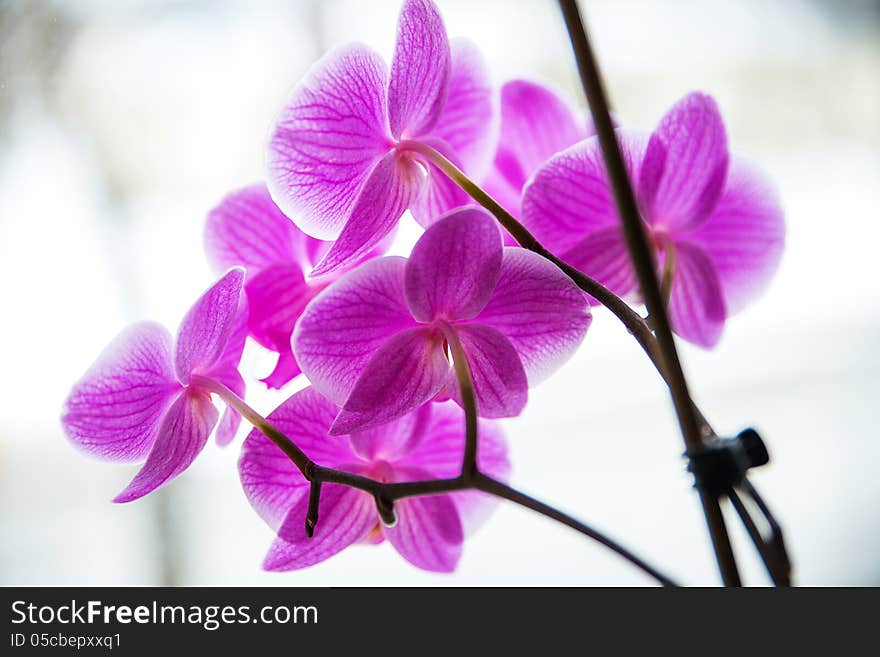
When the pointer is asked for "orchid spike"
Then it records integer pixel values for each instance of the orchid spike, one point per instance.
(248, 230)
(139, 401)
(425, 444)
(715, 222)
(343, 160)
(536, 123)
(376, 342)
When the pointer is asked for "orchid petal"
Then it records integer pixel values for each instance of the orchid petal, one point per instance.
(744, 236)
(181, 436)
(696, 303)
(389, 441)
(248, 230)
(271, 482)
(539, 310)
(403, 374)
(329, 136)
(468, 121)
(276, 298)
(685, 164)
(345, 516)
(286, 369)
(114, 411)
(231, 419)
(570, 197)
(535, 125)
(387, 193)
(205, 330)
(343, 326)
(419, 78)
(499, 378)
(454, 266)
(428, 532)
(439, 194)
(603, 256)
(439, 455)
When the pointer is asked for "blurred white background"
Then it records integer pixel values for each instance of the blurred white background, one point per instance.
(123, 122)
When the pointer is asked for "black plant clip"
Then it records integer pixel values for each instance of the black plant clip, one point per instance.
(720, 467)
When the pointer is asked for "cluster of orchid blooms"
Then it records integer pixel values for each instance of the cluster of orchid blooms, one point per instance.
(302, 273)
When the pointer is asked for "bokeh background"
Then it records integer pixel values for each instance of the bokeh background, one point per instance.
(123, 121)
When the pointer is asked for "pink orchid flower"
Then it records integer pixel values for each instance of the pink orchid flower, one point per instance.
(425, 444)
(715, 222)
(536, 123)
(248, 230)
(376, 341)
(343, 160)
(138, 401)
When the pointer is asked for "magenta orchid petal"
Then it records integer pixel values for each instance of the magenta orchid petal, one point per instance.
(387, 193)
(468, 122)
(696, 304)
(500, 380)
(570, 197)
(181, 436)
(389, 441)
(440, 455)
(286, 369)
(744, 236)
(404, 373)
(418, 83)
(439, 194)
(345, 516)
(685, 165)
(248, 230)
(342, 328)
(539, 310)
(506, 194)
(205, 330)
(276, 296)
(113, 412)
(328, 138)
(454, 267)
(271, 482)
(428, 532)
(603, 255)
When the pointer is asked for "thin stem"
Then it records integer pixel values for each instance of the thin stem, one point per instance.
(469, 403)
(643, 261)
(386, 493)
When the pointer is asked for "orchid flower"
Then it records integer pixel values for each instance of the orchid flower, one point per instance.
(248, 230)
(714, 221)
(425, 444)
(376, 342)
(139, 402)
(536, 124)
(344, 161)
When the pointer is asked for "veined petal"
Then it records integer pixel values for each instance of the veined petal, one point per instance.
(745, 235)
(181, 436)
(454, 266)
(345, 516)
(570, 197)
(394, 183)
(438, 194)
(388, 442)
(603, 256)
(685, 165)
(114, 411)
(273, 484)
(696, 304)
(499, 378)
(428, 532)
(276, 298)
(469, 122)
(419, 79)
(248, 230)
(539, 310)
(344, 325)
(327, 139)
(404, 373)
(286, 369)
(205, 330)
(535, 125)
(439, 455)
